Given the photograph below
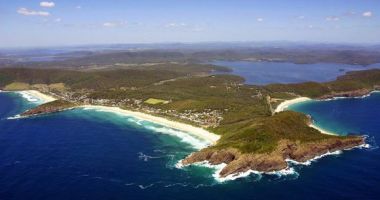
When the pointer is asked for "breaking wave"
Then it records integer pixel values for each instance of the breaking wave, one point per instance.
(185, 137)
(28, 96)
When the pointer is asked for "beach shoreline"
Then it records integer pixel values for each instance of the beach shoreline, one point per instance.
(35, 96)
(285, 104)
(198, 132)
(42, 96)
(191, 130)
(201, 133)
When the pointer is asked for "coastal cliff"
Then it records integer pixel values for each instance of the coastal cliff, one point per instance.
(266, 146)
(348, 94)
(238, 162)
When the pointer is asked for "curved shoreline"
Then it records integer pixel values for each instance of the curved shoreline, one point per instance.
(34, 96)
(285, 104)
(211, 138)
(190, 130)
(45, 98)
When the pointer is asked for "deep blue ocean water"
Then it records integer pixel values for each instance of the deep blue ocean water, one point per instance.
(86, 154)
(261, 73)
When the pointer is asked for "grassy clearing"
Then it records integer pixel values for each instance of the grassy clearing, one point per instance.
(154, 101)
(17, 86)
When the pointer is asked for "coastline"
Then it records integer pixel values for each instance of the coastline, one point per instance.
(45, 98)
(34, 96)
(210, 138)
(285, 104)
(191, 130)
(203, 134)
(282, 107)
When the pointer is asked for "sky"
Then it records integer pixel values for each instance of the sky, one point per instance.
(33, 23)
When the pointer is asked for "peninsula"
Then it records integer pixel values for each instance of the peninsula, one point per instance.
(255, 133)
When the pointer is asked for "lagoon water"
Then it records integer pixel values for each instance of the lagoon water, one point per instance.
(86, 154)
(261, 73)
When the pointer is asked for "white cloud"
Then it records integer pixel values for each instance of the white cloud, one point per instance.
(367, 14)
(114, 24)
(175, 25)
(58, 20)
(260, 19)
(332, 18)
(78, 7)
(47, 4)
(301, 17)
(109, 24)
(184, 27)
(27, 12)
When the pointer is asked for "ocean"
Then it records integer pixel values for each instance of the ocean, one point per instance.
(88, 154)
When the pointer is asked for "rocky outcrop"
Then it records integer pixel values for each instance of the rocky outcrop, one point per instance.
(354, 93)
(238, 162)
(51, 107)
(305, 152)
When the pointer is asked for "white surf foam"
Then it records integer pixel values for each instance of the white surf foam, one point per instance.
(185, 137)
(26, 95)
(15, 117)
(143, 187)
(359, 97)
(308, 162)
(218, 168)
(146, 158)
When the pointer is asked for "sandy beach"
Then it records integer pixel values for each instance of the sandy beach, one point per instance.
(37, 95)
(196, 131)
(199, 132)
(322, 130)
(287, 103)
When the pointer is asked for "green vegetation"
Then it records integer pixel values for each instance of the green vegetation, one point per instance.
(102, 79)
(263, 134)
(17, 86)
(246, 122)
(154, 101)
(50, 107)
(58, 103)
(352, 81)
(200, 54)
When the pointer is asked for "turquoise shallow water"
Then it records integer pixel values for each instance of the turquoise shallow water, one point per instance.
(345, 116)
(86, 154)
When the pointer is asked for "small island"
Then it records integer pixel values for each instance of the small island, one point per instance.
(243, 124)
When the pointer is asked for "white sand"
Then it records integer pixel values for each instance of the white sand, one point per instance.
(322, 130)
(287, 103)
(45, 98)
(199, 132)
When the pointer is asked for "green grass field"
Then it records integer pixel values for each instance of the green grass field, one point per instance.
(153, 101)
(17, 86)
